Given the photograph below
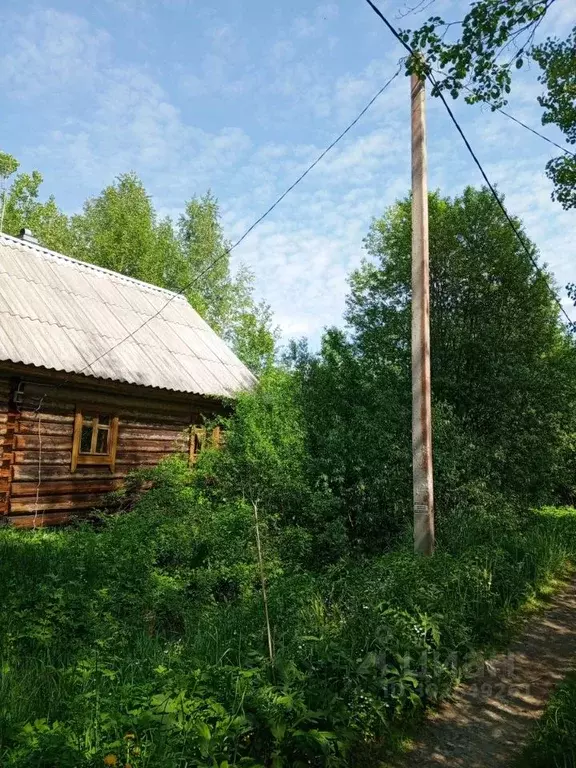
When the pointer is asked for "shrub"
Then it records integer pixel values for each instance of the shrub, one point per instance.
(146, 641)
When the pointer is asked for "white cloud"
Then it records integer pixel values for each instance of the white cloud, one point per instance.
(130, 118)
(51, 51)
(314, 25)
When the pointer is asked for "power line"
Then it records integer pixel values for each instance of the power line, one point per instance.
(501, 204)
(517, 120)
(227, 251)
(515, 229)
(536, 133)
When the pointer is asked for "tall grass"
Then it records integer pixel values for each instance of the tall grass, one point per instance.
(553, 742)
(145, 643)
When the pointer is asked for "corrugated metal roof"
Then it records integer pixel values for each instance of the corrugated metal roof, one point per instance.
(62, 314)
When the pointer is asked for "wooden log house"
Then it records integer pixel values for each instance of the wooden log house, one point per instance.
(99, 374)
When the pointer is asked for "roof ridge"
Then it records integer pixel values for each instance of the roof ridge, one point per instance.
(92, 267)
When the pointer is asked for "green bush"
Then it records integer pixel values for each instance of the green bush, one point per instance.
(553, 743)
(145, 641)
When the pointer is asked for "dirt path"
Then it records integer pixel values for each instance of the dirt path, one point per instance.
(489, 719)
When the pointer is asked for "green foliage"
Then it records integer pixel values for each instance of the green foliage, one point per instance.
(118, 230)
(44, 219)
(553, 743)
(502, 361)
(556, 60)
(266, 463)
(503, 377)
(357, 419)
(8, 165)
(494, 38)
(144, 643)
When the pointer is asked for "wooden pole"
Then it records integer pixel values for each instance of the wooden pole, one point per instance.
(421, 401)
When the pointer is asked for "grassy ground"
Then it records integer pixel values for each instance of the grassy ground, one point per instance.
(145, 644)
(553, 743)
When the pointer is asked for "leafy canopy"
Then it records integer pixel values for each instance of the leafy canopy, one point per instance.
(503, 374)
(493, 39)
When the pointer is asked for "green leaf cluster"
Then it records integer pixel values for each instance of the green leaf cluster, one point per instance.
(478, 55)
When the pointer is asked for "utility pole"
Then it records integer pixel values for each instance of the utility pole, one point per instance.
(422, 477)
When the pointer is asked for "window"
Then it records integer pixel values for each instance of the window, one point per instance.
(198, 440)
(95, 438)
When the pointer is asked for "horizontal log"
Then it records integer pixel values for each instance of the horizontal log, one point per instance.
(46, 457)
(124, 411)
(97, 399)
(150, 423)
(153, 446)
(41, 520)
(128, 432)
(30, 472)
(58, 429)
(135, 456)
(130, 461)
(142, 419)
(39, 405)
(66, 486)
(63, 502)
(37, 443)
(46, 417)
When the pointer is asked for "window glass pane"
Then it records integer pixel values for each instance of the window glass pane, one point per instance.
(104, 418)
(102, 441)
(86, 439)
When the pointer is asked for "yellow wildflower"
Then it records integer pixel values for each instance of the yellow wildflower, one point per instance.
(110, 760)
(129, 735)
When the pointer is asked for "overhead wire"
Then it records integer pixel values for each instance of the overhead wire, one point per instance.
(520, 122)
(489, 184)
(535, 132)
(208, 268)
(261, 218)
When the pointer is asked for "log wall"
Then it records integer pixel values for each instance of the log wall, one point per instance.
(37, 486)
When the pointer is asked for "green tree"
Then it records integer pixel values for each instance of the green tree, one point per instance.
(22, 209)
(557, 61)
(118, 230)
(503, 374)
(8, 166)
(493, 39)
(206, 260)
(356, 406)
(266, 463)
(501, 361)
(224, 299)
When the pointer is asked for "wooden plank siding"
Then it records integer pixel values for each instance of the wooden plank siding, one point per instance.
(38, 486)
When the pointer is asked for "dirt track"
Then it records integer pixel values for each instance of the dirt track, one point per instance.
(488, 720)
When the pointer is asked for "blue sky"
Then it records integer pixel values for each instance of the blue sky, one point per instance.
(239, 98)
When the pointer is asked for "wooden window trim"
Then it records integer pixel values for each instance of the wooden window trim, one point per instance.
(216, 437)
(199, 438)
(93, 458)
